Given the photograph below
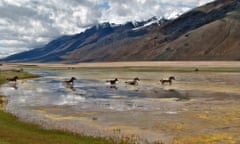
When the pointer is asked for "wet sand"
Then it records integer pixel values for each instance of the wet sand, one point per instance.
(200, 107)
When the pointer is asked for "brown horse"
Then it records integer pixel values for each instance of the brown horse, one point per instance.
(70, 81)
(112, 82)
(134, 82)
(13, 78)
(168, 81)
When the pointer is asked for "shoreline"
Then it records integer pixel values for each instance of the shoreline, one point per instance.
(15, 131)
(214, 106)
(177, 64)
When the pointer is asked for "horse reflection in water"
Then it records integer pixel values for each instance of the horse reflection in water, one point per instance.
(13, 85)
(71, 87)
(113, 87)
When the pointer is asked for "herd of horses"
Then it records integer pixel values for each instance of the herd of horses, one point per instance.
(131, 82)
(112, 82)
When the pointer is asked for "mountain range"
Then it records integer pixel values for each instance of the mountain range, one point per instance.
(209, 32)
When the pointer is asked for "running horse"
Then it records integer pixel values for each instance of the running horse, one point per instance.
(133, 82)
(169, 80)
(14, 79)
(112, 82)
(70, 82)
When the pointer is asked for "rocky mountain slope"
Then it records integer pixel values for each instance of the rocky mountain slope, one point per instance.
(105, 38)
(209, 32)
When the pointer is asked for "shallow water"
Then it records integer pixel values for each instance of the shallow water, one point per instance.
(149, 110)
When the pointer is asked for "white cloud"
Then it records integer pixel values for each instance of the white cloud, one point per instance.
(26, 24)
(11, 51)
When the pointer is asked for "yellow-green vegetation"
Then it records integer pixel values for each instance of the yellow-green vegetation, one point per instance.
(217, 125)
(146, 69)
(12, 131)
(164, 69)
(212, 138)
(8, 74)
(182, 69)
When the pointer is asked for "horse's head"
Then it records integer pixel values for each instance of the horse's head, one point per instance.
(73, 78)
(171, 78)
(136, 79)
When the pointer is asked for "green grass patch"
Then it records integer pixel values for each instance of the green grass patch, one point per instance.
(13, 131)
(8, 74)
(144, 69)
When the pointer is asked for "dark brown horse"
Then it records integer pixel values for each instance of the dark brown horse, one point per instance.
(168, 81)
(13, 78)
(133, 82)
(112, 82)
(70, 81)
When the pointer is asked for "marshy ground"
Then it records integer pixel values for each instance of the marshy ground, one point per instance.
(199, 107)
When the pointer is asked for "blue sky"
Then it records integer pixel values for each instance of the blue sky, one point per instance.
(27, 24)
(104, 5)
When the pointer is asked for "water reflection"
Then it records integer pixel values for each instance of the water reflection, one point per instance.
(51, 89)
(71, 87)
(145, 106)
(113, 87)
(161, 93)
(13, 85)
(91, 90)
